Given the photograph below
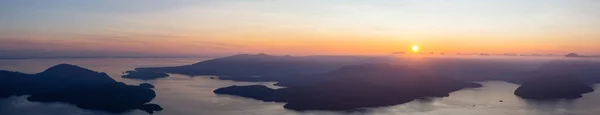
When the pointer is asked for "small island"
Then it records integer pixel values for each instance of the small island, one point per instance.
(559, 79)
(355, 87)
(549, 88)
(78, 86)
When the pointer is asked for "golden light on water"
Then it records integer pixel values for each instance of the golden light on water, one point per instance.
(415, 48)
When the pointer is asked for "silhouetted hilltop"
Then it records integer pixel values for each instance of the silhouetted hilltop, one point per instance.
(82, 87)
(74, 75)
(144, 75)
(581, 56)
(262, 67)
(573, 55)
(354, 87)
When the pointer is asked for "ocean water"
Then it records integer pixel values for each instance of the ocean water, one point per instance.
(183, 95)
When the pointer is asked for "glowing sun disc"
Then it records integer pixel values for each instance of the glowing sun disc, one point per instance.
(415, 48)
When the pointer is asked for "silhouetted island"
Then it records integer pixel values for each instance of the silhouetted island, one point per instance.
(354, 87)
(557, 87)
(558, 79)
(144, 75)
(81, 87)
(262, 67)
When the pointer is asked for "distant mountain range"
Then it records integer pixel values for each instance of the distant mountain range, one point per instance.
(577, 55)
(262, 67)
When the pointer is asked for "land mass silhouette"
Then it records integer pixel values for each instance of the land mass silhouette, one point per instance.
(78, 86)
(549, 88)
(560, 79)
(347, 82)
(581, 56)
(292, 71)
(354, 87)
(262, 67)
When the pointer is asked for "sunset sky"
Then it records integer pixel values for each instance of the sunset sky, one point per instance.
(54, 28)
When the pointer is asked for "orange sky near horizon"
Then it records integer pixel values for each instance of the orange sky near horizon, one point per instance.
(299, 27)
(310, 45)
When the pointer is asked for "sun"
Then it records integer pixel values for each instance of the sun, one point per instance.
(415, 48)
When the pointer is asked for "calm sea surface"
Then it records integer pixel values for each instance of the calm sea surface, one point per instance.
(183, 95)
